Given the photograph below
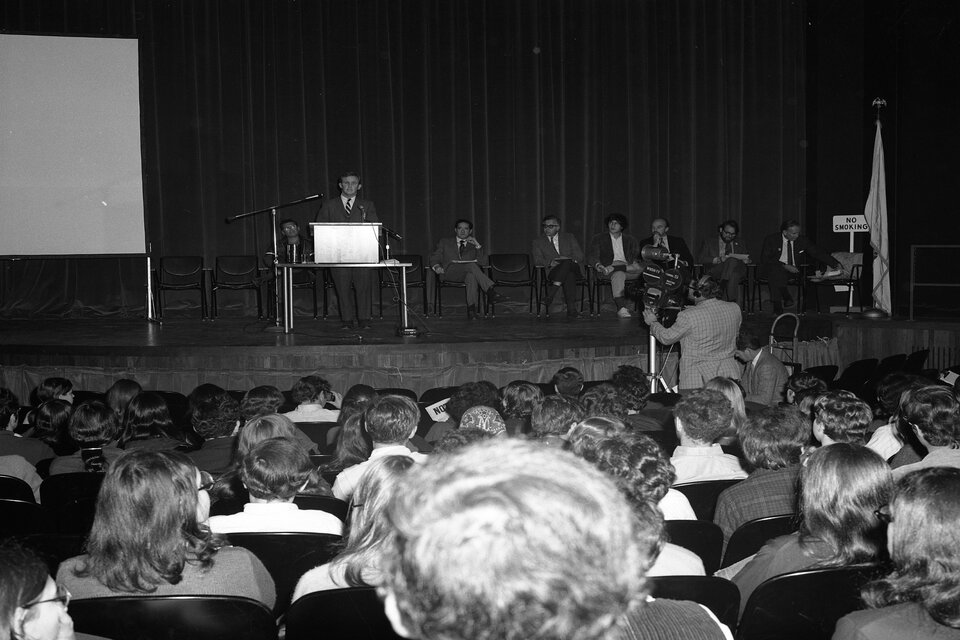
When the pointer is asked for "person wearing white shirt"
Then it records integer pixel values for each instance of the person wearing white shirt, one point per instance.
(312, 393)
(702, 416)
(273, 472)
(390, 421)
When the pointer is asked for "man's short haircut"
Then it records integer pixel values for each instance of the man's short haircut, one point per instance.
(52, 388)
(261, 401)
(706, 287)
(666, 222)
(288, 221)
(349, 173)
(391, 419)
(510, 540)
(749, 338)
(463, 220)
(633, 385)
(890, 390)
(774, 438)
(93, 423)
(619, 217)
(934, 411)
(218, 417)
(518, 399)
(636, 463)
(472, 394)
(308, 389)
(568, 381)
(550, 217)
(786, 224)
(730, 223)
(602, 400)
(706, 414)
(275, 469)
(555, 415)
(805, 381)
(843, 416)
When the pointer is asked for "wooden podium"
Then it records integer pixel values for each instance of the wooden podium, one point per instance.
(346, 242)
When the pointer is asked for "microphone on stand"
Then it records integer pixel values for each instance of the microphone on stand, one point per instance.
(363, 213)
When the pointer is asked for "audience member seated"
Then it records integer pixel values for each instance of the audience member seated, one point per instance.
(602, 400)
(639, 468)
(841, 487)
(120, 394)
(733, 392)
(390, 421)
(19, 467)
(485, 419)
(32, 450)
(478, 531)
(517, 402)
(920, 598)
(933, 413)
(260, 401)
(229, 492)
(840, 416)
(358, 563)
(764, 377)
(216, 420)
(32, 605)
(800, 382)
(568, 381)
(149, 537)
(353, 445)
(459, 438)
(467, 395)
(273, 472)
(702, 417)
(772, 441)
(147, 424)
(355, 402)
(54, 389)
(51, 422)
(633, 388)
(886, 439)
(551, 421)
(93, 426)
(312, 394)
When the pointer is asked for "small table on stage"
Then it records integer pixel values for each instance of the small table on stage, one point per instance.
(286, 278)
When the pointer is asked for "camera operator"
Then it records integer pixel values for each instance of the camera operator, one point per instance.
(707, 333)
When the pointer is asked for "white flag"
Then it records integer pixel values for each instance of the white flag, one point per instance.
(876, 214)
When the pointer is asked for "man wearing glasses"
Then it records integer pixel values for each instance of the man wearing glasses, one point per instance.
(725, 259)
(561, 258)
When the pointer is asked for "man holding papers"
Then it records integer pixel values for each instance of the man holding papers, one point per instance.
(724, 258)
(460, 259)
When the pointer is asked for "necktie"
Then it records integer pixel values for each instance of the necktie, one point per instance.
(460, 248)
(348, 207)
(556, 243)
(664, 243)
(790, 252)
(728, 248)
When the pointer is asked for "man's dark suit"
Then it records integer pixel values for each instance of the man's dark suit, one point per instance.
(470, 273)
(361, 279)
(804, 252)
(732, 270)
(565, 272)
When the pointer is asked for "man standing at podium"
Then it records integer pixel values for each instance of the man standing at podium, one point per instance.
(355, 310)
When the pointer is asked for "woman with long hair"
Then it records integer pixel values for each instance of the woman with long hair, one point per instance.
(352, 444)
(734, 393)
(358, 564)
(32, 605)
(920, 598)
(517, 402)
(120, 394)
(841, 487)
(147, 424)
(50, 422)
(150, 537)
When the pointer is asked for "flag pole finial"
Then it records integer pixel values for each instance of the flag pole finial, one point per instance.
(879, 103)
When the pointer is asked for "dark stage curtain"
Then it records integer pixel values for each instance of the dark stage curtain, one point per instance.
(500, 111)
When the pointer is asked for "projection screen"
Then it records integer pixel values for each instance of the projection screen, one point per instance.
(70, 167)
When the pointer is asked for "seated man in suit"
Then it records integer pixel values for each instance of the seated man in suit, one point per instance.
(562, 259)
(659, 237)
(616, 254)
(459, 259)
(781, 256)
(716, 256)
(765, 377)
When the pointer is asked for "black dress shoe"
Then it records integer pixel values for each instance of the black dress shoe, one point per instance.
(471, 312)
(364, 324)
(346, 325)
(495, 296)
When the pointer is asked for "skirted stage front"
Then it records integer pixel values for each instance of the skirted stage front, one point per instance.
(240, 354)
